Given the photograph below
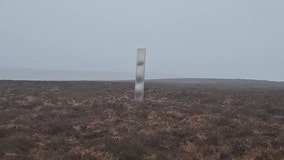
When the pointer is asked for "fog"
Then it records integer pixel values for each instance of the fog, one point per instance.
(185, 38)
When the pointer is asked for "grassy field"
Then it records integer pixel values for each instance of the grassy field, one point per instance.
(100, 120)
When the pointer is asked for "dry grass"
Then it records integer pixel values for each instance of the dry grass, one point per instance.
(99, 120)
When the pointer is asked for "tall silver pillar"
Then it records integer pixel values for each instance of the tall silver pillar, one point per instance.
(140, 74)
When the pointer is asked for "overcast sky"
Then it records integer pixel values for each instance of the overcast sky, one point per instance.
(184, 38)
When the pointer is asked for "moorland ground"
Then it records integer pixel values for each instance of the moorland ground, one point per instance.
(178, 120)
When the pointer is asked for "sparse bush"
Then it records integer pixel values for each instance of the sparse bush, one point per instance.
(126, 149)
(274, 111)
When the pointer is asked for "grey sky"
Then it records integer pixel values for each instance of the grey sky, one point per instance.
(184, 38)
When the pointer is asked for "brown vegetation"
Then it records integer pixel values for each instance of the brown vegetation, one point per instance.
(99, 120)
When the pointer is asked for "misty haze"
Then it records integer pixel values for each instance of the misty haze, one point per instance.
(188, 39)
(141, 80)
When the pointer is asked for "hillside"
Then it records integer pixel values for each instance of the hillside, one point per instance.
(220, 83)
(100, 120)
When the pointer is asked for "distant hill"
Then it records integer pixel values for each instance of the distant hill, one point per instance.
(222, 83)
(61, 75)
(41, 74)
